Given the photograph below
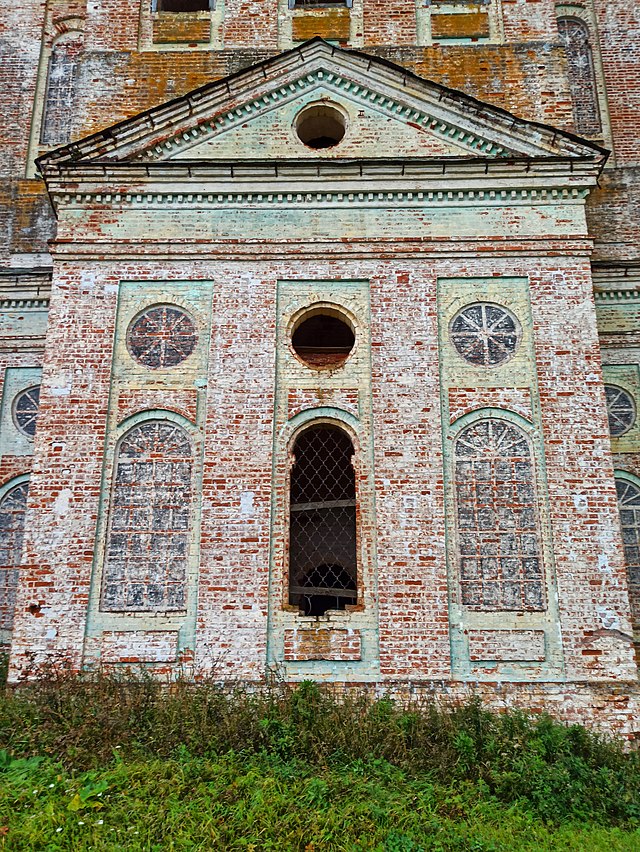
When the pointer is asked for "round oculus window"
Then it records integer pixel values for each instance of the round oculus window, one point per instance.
(485, 334)
(25, 411)
(621, 410)
(162, 336)
(320, 126)
(323, 338)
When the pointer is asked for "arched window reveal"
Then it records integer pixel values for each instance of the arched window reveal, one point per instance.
(574, 34)
(499, 554)
(322, 532)
(12, 512)
(629, 506)
(148, 537)
(57, 120)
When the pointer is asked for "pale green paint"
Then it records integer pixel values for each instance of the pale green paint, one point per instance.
(353, 298)
(135, 296)
(518, 372)
(12, 441)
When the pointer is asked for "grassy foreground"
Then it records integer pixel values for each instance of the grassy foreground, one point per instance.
(114, 765)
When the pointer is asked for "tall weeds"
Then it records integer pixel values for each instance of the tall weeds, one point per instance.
(561, 772)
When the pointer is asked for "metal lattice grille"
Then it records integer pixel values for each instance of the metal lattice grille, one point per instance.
(148, 539)
(629, 507)
(621, 410)
(12, 511)
(500, 564)
(322, 535)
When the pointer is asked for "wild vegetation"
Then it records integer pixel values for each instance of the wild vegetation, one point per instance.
(115, 763)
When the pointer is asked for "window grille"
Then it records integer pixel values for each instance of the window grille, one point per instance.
(322, 533)
(25, 411)
(499, 558)
(161, 337)
(621, 410)
(57, 120)
(484, 334)
(629, 507)
(12, 513)
(574, 35)
(148, 537)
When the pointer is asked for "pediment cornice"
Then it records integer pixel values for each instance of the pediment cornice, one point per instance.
(482, 130)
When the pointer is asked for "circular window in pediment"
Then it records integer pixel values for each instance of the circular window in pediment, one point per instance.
(320, 126)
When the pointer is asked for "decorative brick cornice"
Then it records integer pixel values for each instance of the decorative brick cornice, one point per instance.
(481, 128)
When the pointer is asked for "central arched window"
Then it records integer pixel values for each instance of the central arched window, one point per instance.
(12, 511)
(149, 524)
(499, 555)
(322, 533)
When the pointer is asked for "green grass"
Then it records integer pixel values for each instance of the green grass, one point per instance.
(108, 764)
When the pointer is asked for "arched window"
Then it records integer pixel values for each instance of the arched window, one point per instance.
(12, 511)
(629, 507)
(322, 532)
(149, 523)
(57, 118)
(499, 555)
(574, 34)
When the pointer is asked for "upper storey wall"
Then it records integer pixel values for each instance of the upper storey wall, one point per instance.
(129, 58)
(619, 33)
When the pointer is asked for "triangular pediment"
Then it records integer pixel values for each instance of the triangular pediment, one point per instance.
(389, 113)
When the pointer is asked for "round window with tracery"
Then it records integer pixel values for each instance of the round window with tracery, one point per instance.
(25, 410)
(485, 334)
(621, 410)
(162, 336)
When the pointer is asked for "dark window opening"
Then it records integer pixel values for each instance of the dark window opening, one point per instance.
(320, 126)
(322, 531)
(301, 4)
(184, 5)
(323, 340)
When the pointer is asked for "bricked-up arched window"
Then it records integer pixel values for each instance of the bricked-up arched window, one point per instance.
(59, 109)
(574, 34)
(629, 507)
(322, 534)
(12, 511)
(149, 521)
(499, 553)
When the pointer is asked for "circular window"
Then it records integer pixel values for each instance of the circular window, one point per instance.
(25, 410)
(162, 336)
(320, 126)
(323, 338)
(485, 334)
(621, 410)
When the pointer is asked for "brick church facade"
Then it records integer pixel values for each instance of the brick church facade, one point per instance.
(328, 316)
